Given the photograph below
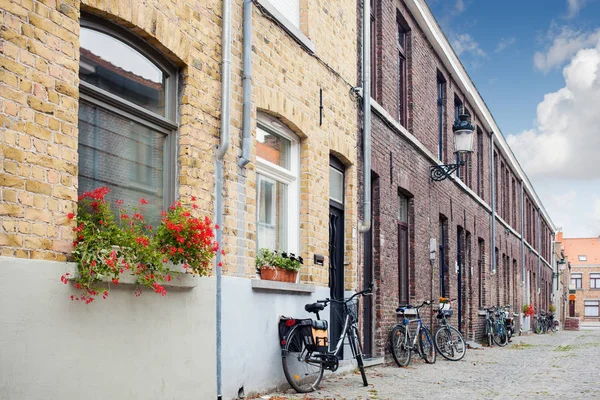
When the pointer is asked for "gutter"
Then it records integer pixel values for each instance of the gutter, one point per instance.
(221, 150)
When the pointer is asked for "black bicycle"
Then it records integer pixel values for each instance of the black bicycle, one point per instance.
(304, 343)
(448, 341)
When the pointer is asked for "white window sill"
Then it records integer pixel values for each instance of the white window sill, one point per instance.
(179, 280)
(287, 25)
(287, 287)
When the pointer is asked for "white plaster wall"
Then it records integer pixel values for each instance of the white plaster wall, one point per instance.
(123, 347)
(251, 350)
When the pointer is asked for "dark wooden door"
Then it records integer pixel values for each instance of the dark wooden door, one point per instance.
(336, 249)
(459, 260)
(336, 270)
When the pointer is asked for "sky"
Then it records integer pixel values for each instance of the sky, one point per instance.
(536, 64)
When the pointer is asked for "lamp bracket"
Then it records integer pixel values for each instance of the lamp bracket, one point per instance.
(438, 173)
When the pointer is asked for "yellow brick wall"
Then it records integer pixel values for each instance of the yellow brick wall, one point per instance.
(39, 55)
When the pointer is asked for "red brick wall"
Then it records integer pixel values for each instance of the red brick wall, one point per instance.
(398, 165)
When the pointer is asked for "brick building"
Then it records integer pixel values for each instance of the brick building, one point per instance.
(583, 256)
(492, 237)
(128, 94)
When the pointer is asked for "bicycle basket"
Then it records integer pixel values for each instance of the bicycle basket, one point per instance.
(352, 308)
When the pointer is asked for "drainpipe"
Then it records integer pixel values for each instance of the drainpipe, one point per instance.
(246, 84)
(221, 150)
(523, 280)
(366, 85)
(539, 246)
(492, 173)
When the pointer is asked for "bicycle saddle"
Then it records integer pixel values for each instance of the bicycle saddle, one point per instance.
(314, 307)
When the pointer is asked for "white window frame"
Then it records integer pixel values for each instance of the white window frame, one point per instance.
(577, 277)
(585, 307)
(289, 177)
(594, 277)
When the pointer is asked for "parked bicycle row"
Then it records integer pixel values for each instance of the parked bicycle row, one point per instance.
(306, 352)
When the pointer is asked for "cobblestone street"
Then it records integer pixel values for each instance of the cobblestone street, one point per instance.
(530, 367)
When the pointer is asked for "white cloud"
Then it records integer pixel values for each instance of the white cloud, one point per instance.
(565, 142)
(460, 6)
(463, 43)
(504, 43)
(566, 42)
(574, 6)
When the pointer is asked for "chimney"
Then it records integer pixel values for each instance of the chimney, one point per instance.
(559, 237)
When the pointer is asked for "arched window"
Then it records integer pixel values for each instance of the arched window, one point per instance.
(277, 170)
(127, 117)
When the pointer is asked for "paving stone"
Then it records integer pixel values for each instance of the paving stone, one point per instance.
(531, 367)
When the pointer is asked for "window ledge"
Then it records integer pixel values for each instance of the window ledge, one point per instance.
(287, 25)
(276, 286)
(179, 280)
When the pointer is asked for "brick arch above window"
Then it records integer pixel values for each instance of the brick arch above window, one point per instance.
(163, 33)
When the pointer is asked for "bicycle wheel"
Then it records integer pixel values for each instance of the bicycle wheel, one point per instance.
(427, 347)
(302, 370)
(450, 343)
(500, 337)
(489, 330)
(399, 345)
(537, 326)
(358, 354)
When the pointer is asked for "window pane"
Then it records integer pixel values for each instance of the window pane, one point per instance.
(582, 258)
(123, 155)
(272, 214)
(595, 276)
(273, 148)
(402, 208)
(114, 66)
(575, 276)
(336, 185)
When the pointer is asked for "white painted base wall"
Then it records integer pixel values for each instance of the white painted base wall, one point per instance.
(124, 347)
(251, 351)
(129, 348)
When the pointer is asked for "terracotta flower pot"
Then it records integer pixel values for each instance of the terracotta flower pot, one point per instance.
(278, 274)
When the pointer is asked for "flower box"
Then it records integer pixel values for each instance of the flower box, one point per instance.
(278, 274)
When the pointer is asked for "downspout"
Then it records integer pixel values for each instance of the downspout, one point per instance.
(246, 84)
(523, 280)
(221, 150)
(365, 226)
(492, 172)
(539, 246)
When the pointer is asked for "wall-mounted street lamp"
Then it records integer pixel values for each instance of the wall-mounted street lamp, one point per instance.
(463, 144)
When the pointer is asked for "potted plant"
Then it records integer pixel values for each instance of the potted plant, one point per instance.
(528, 310)
(276, 266)
(552, 308)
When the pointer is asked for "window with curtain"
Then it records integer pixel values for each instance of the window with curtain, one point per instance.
(127, 118)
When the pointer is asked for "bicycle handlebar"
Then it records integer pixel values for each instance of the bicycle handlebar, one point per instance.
(366, 292)
(425, 303)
